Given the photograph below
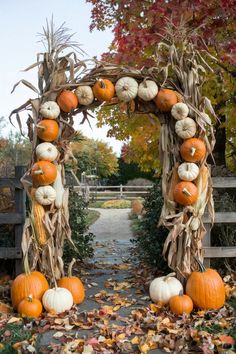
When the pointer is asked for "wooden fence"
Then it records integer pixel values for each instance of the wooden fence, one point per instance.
(220, 218)
(113, 192)
(16, 218)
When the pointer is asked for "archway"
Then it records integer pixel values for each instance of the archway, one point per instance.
(177, 79)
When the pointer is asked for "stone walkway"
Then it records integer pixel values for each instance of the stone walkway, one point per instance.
(111, 294)
(113, 224)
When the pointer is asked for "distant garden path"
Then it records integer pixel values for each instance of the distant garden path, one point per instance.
(113, 224)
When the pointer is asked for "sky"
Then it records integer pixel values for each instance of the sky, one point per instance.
(20, 21)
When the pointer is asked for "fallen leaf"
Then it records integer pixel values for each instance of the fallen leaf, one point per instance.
(88, 349)
(226, 339)
(58, 335)
(135, 340)
(14, 320)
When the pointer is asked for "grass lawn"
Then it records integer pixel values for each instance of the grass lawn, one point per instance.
(92, 216)
(111, 204)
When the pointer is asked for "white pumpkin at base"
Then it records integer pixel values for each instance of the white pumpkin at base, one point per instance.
(163, 288)
(57, 300)
(46, 151)
(49, 110)
(126, 89)
(186, 128)
(85, 95)
(179, 111)
(188, 171)
(45, 195)
(147, 90)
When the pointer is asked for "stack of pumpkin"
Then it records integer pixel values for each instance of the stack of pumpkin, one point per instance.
(204, 290)
(30, 293)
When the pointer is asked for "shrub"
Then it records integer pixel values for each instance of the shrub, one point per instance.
(137, 206)
(79, 228)
(149, 238)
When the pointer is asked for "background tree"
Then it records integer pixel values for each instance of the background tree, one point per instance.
(94, 156)
(138, 26)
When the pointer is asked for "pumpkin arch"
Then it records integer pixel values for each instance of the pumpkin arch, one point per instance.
(105, 81)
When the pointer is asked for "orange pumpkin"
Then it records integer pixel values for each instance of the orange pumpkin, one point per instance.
(48, 130)
(28, 283)
(165, 100)
(206, 288)
(30, 307)
(43, 173)
(185, 193)
(104, 90)
(67, 101)
(193, 150)
(73, 284)
(180, 304)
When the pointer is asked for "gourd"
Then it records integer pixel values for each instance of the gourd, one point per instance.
(30, 307)
(43, 173)
(126, 89)
(28, 283)
(85, 95)
(206, 288)
(147, 90)
(48, 130)
(49, 110)
(59, 188)
(180, 304)
(180, 111)
(45, 195)
(185, 193)
(57, 300)
(165, 100)
(104, 90)
(163, 288)
(73, 284)
(67, 101)
(37, 216)
(188, 171)
(193, 150)
(46, 151)
(185, 128)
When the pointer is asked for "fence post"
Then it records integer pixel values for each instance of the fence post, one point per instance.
(20, 200)
(121, 191)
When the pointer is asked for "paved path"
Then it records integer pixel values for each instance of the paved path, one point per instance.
(113, 224)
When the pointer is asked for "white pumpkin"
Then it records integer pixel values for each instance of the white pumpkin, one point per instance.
(185, 128)
(50, 110)
(57, 300)
(147, 90)
(188, 171)
(45, 195)
(85, 95)
(179, 111)
(163, 288)
(126, 89)
(46, 151)
(59, 188)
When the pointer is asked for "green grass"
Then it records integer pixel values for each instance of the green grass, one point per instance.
(111, 204)
(18, 334)
(92, 216)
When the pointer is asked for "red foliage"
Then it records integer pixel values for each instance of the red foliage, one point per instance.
(137, 26)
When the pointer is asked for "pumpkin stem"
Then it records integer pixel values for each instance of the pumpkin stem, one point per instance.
(26, 265)
(200, 264)
(169, 276)
(181, 293)
(38, 172)
(70, 267)
(193, 150)
(145, 83)
(125, 87)
(40, 127)
(186, 192)
(102, 83)
(30, 298)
